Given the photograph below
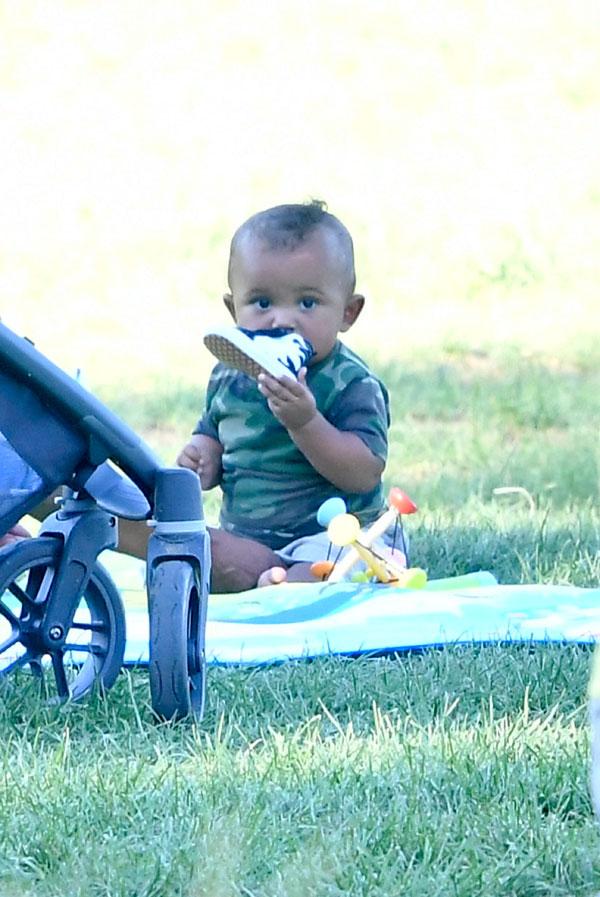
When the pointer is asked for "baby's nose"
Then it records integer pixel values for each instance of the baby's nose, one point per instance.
(284, 318)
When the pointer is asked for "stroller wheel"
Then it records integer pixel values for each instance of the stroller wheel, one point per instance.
(91, 653)
(177, 624)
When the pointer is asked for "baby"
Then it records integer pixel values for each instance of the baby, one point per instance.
(278, 446)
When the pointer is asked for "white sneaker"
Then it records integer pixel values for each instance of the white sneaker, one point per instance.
(279, 352)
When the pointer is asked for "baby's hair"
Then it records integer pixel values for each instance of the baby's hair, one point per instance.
(287, 226)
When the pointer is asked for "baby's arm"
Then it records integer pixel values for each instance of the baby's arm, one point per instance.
(202, 454)
(338, 455)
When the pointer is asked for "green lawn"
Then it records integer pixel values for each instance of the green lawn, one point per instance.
(462, 771)
(458, 141)
(454, 772)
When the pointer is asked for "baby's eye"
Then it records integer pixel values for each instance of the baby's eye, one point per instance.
(262, 302)
(308, 302)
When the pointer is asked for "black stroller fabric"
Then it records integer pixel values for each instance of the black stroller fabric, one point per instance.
(38, 451)
(18, 482)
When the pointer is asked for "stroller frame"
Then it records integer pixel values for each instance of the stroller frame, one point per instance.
(53, 591)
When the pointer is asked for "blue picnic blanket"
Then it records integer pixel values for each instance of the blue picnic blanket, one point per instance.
(308, 620)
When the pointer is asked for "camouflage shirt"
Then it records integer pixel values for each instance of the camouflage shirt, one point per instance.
(271, 493)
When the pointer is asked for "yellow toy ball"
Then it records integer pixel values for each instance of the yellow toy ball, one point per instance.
(343, 529)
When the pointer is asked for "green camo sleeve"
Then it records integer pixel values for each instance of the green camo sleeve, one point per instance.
(363, 408)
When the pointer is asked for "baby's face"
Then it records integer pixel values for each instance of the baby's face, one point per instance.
(306, 288)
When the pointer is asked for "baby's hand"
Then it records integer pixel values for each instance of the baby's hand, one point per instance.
(291, 401)
(190, 456)
(202, 455)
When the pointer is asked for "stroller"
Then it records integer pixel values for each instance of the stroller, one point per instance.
(61, 615)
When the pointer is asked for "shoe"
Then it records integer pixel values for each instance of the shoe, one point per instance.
(279, 352)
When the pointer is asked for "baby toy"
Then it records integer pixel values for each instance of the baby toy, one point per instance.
(344, 531)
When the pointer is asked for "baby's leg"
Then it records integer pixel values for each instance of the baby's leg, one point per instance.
(300, 573)
(274, 576)
(237, 563)
(290, 570)
(295, 560)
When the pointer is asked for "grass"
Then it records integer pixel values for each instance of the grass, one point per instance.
(455, 772)
(461, 150)
(452, 772)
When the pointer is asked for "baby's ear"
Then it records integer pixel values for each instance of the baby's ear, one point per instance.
(354, 306)
(228, 300)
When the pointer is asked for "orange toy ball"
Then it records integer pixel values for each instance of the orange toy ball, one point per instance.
(321, 569)
(401, 502)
